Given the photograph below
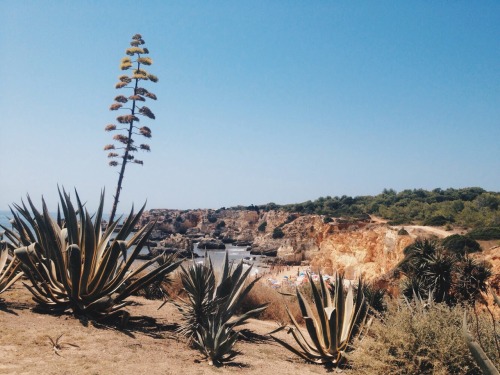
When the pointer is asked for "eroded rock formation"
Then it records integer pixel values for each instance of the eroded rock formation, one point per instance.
(358, 248)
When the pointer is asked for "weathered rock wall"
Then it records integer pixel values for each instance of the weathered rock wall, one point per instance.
(362, 248)
(369, 252)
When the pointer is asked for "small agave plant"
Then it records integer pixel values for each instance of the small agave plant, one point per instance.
(10, 270)
(331, 327)
(73, 264)
(209, 313)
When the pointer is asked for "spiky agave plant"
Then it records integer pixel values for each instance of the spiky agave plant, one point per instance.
(208, 315)
(9, 268)
(128, 127)
(74, 265)
(331, 327)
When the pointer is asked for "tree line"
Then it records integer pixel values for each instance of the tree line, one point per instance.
(471, 207)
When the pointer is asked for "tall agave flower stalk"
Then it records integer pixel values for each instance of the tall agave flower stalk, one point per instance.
(331, 327)
(74, 265)
(122, 152)
(208, 315)
(9, 268)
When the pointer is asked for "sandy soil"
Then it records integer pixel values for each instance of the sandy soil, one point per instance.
(149, 345)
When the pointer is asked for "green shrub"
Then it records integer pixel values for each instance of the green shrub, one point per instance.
(430, 269)
(327, 220)
(460, 245)
(485, 234)
(262, 226)
(278, 233)
(428, 340)
(403, 232)
(436, 221)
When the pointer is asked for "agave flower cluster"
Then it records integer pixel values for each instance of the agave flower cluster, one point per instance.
(127, 127)
(73, 264)
(208, 315)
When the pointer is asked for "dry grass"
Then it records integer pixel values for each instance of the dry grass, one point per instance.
(421, 341)
(276, 310)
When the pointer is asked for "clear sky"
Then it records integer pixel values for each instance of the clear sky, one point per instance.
(258, 101)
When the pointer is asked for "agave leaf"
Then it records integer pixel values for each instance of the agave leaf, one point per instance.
(102, 304)
(299, 339)
(333, 331)
(75, 269)
(25, 253)
(477, 352)
(130, 223)
(225, 269)
(325, 293)
(151, 276)
(88, 247)
(310, 346)
(98, 217)
(108, 266)
(293, 350)
(26, 236)
(12, 237)
(249, 314)
(318, 302)
(52, 276)
(120, 276)
(339, 302)
(238, 293)
(70, 216)
(348, 314)
(10, 275)
(311, 324)
(4, 254)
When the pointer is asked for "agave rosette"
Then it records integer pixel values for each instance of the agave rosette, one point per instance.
(73, 264)
(209, 313)
(331, 326)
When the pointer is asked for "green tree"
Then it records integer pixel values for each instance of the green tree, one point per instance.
(129, 128)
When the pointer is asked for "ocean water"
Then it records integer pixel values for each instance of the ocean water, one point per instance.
(4, 218)
(235, 254)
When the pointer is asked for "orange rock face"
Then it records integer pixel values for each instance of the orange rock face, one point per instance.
(369, 252)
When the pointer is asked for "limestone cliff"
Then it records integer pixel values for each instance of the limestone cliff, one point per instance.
(367, 248)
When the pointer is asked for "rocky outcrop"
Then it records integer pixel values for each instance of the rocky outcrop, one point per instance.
(363, 247)
(177, 241)
(211, 244)
(369, 252)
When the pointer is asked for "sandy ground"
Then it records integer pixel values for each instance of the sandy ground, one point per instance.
(149, 345)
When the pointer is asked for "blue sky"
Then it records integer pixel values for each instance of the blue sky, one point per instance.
(258, 101)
